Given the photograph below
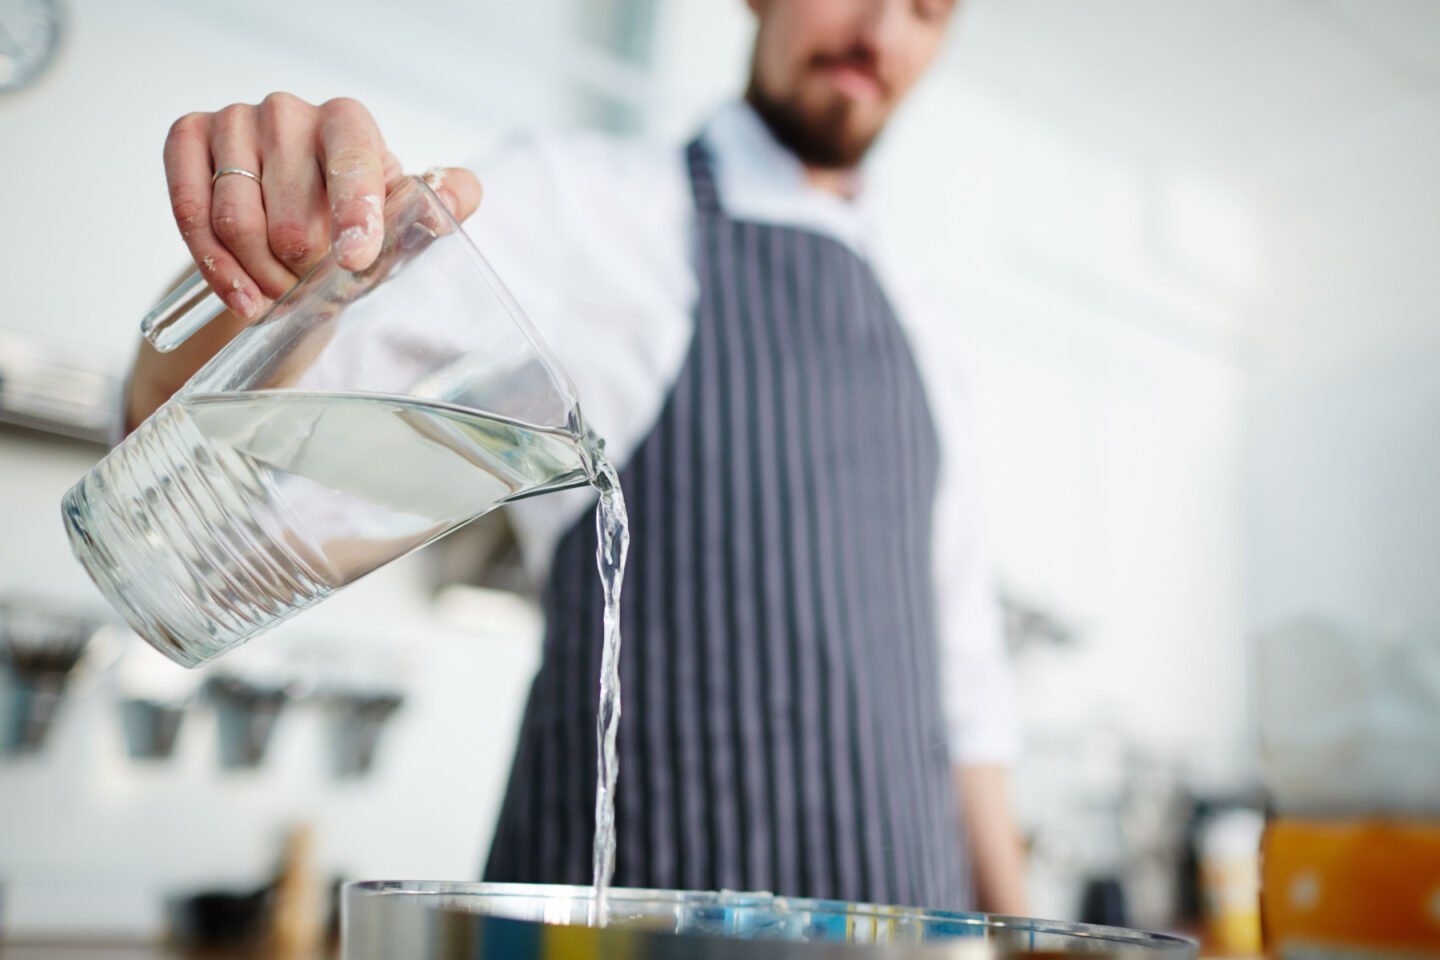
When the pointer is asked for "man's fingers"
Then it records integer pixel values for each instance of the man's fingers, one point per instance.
(187, 168)
(353, 158)
(457, 187)
(238, 203)
(394, 173)
(297, 218)
(323, 176)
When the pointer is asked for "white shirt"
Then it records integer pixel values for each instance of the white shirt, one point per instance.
(593, 236)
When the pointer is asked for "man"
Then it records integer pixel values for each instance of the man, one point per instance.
(803, 582)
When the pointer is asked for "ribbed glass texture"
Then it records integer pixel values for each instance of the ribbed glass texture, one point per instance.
(187, 542)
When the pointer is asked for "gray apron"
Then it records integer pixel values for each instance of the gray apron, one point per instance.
(782, 727)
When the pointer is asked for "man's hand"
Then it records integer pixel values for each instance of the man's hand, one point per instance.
(323, 174)
(323, 177)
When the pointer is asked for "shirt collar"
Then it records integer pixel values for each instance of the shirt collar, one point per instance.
(759, 179)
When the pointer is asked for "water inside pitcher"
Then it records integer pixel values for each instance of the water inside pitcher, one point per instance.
(363, 416)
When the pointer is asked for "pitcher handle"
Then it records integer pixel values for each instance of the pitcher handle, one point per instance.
(181, 313)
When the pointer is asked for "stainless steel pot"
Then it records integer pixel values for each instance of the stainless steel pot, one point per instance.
(479, 921)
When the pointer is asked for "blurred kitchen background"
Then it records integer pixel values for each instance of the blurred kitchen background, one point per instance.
(1189, 250)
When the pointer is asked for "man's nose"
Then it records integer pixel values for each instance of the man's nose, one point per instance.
(881, 21)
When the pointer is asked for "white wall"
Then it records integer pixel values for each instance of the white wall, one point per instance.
(1343, 518)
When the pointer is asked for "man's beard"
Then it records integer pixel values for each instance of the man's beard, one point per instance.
(817, 139)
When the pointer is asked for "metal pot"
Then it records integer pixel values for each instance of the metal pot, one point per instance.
(477, 921)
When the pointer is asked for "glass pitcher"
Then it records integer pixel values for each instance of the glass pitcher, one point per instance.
(364, 415)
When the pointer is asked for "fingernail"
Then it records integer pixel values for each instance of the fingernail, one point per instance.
(351, 242)
(242, 304)
(356, 241)
(435, 179)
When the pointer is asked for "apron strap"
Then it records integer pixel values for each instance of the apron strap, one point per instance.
(702, 177)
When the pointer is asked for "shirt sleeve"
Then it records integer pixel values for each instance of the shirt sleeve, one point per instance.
(589, 234)
(982, 722)
(119, 402)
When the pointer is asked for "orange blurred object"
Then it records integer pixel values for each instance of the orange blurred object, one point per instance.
(1351, 883)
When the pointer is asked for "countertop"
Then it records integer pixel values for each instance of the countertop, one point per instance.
(104, 950)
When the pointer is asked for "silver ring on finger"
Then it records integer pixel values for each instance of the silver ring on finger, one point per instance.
(235, 170)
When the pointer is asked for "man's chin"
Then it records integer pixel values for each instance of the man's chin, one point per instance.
(839, 144)
(828, 132)
(848, 126)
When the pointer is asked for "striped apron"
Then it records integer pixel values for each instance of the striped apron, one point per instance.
(782, 727)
